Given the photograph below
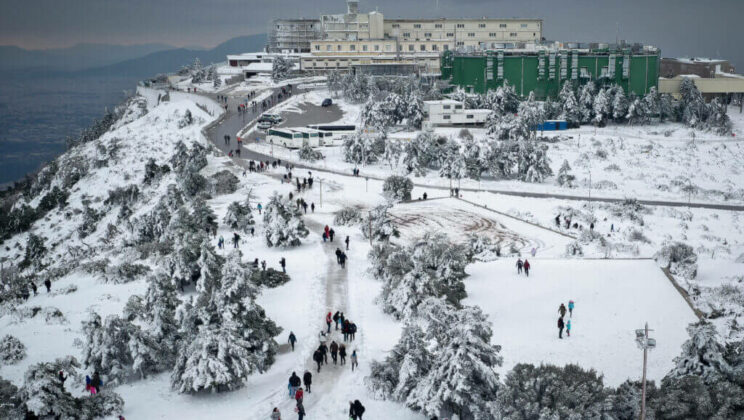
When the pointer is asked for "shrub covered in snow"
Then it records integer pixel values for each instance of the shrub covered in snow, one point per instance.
(362, 148)
(548, 391)
(269, 277)
(224, 182)
(309, 154)
(565, 178)
(483, 248)
(280, 68)
(348, 216)
(379, 225)
(12, 350)
(574, 249)
(35, 252)
(283, 223)
(239, 217)
(679, 258)
(397, 188)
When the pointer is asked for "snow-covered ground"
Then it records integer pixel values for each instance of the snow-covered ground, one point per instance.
(613, 298)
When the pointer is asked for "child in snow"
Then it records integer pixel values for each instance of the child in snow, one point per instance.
(570, 308)
(568, 328)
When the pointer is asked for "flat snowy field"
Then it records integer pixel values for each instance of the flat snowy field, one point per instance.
(613, 298)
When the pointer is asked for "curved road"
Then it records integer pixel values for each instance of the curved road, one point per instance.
(232, 123)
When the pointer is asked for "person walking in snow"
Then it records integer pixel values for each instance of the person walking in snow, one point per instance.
(326, 229)
(325, 237)
(334, 352)
(312, 207)
(48, 285)
(527, 268)
(347, 242)
(276, 414)
(324, 351)
(292, 339)
(336, 317)
(352, 331)
(221, 242)
(304, 206)
(568, 328)
(294, 384)
(356, 410)
(342, 259)
(300, 409)
(342, 353)
(338, 255)
(329, 318)
(236, 240)
(96, 383)
(570, 308)
(318, 358)
(299, 394)
(519, 266)
(283, 263)
(307, 380)
(260, 207)
(263, 265)
(33, 287)
(354, 360)
(345, 329)
(562, 310)
(560, 327)
(331, 234)
(558, 221)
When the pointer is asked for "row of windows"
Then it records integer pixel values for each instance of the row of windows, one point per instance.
(388, 47)
(427, 35)
(461, 25)
(468, 116)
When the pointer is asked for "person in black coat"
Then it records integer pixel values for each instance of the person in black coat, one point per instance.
(48, 285)
(307, 380)
(560, 327)
(356, 410)
(318, 358)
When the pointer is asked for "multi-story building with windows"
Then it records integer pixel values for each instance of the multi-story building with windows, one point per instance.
(474, 34)
(292, 35)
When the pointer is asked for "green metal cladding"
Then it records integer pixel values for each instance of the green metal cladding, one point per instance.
(544, 72)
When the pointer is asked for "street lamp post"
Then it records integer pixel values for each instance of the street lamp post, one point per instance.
(645, 343)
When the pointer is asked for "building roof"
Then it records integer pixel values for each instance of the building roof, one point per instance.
(697, 60)
(443, 19)
(259, 67)
(443, 102)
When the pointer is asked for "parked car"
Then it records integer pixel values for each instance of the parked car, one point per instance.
(264, 125)
(326, 102)
(272, 118)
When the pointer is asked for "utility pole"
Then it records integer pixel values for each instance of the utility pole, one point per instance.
(645, 343)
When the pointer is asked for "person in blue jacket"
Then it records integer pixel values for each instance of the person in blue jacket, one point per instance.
(570, 308)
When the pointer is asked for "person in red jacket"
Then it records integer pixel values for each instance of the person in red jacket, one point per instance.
(329, 319)
(299, 394)
(527, 268)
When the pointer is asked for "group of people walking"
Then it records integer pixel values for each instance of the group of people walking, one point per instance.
(565, 324)
(523, 266)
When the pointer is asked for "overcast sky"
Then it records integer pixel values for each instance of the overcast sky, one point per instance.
(678, 27)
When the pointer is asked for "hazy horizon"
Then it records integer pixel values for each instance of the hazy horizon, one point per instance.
(677, 27)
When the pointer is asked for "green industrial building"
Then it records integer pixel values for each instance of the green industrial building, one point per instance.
(545, 71)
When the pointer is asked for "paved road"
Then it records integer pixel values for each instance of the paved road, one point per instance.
(233, 122)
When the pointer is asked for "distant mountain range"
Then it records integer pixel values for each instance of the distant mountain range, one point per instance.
(136, 61)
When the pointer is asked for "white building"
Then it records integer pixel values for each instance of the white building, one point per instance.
(451, 112)
(252, 64)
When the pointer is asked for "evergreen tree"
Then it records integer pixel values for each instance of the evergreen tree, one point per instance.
(414, 111)
(12, 350)
(283, 224)
(565, 178)
(397, 188)
(398, 375)
(637, 113)
(239, 216)
(474, 158)
(718, 119)
(159, 311)
(217, 82)
(602, 107)
(452, 162)
(43, 394)
(419, 153)
(362, 148)
(586, 102)
(702, 355)
(107, 346)
(204, 218)
(549, 391)
(462, 379)
(619, 105)
(379, 224)
(35, 252)
(570, 108)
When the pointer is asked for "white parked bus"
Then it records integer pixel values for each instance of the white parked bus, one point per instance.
(294, 138)
(334, 135)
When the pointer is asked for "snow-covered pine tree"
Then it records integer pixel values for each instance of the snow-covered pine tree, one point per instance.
(239, 216)
(204, 218)
(462, 379)
(393, 150)
(548, 391)
(570, 108)
(475, 157)
(379, 224)
(694, 110)
(531, 113)
(12, 350)
(309, 154)
(482, 248)
(533, 163)
(702, 355)
(217, 82)
(34, 254)
(619, 105)
(397, 188)
(159, 312)
(283, 223)
(348, 216)
(565, 178)
(414, 111)
(418, 153)
(586, 102)
(280, 68)
(197, 71)
(43, 394)
(637, 113)
(106, 348)
(718, 119)
(11, 407)
(397, 376)
(363, 148)
(679, 258)
(602, 107)
(452, 162)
